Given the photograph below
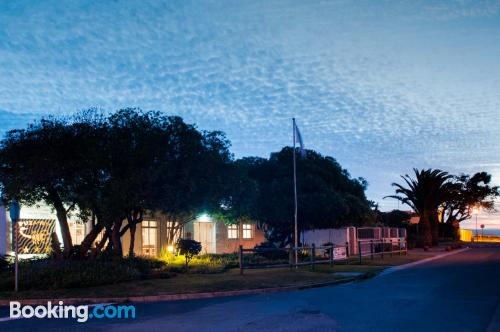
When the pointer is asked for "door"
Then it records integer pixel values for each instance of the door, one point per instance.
(204, 232)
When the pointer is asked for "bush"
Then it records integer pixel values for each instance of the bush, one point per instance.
(52, 274)
(207, 263)
(270, 251)
(4, 263)
(188, 248)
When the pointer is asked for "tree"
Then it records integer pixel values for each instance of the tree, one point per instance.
(394, 218)
(327, 196)
(108, 169)
(468, 192)
(37, 164)
(189, 248)
(424, 194)
(155, 163)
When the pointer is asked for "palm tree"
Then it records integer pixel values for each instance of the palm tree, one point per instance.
(424, 194)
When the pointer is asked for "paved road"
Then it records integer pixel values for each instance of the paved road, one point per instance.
(460, 292)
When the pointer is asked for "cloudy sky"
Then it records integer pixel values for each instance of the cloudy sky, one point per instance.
(382, 86)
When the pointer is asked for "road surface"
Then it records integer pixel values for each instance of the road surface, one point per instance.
(459, 292)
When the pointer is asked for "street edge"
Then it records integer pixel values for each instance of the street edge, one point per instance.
(186, 296)
(419, 262)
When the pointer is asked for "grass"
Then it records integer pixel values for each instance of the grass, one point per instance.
(223, 280)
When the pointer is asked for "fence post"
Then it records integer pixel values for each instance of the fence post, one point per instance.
(313, 256)
(399, 246)
(383, 249)
(371, 249)
(347, 254)
(331, 256)
(392, 248)
(290, 256)
(359, 251)
(240, 259)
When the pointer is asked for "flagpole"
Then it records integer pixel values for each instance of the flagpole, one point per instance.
(296, 242)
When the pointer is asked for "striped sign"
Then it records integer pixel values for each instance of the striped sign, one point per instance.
(34, 235)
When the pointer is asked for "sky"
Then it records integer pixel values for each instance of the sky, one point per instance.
(382, 86)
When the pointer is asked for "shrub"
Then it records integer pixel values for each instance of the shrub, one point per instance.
(53, 274)
(4, 263)
(189, 248)
(270, 251)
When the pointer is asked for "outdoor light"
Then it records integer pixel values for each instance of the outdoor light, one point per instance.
(204, 218)
(170, 248)
(476, 211)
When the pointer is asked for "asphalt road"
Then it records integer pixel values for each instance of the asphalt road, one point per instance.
(460, 292)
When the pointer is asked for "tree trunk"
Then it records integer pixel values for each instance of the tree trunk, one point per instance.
(132, 239)
(62, 218)
(425, 232)
(116, 238)
(434, 223)
(90, 238)
(100, 245)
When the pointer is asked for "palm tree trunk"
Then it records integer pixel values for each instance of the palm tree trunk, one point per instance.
(425, 230)
(433, 219)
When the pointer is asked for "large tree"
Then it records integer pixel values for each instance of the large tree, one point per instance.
(41, 164)
(327, 196)
(109, 169)
(424, 194)
(466, 193)
(156, 165)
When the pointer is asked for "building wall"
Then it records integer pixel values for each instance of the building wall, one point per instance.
(337, 236)
(137, 243)
(226, 246)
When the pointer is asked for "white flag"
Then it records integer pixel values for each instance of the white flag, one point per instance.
(298, 139)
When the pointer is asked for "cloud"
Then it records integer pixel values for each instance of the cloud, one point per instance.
(381, 86)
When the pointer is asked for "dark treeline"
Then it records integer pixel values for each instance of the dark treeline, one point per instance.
(109, 169)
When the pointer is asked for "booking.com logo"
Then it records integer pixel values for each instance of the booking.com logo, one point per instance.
(81, 313)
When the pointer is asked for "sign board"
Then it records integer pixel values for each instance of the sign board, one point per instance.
(35, 235)
(339, 253)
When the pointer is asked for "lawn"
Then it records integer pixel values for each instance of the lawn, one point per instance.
(225, 281)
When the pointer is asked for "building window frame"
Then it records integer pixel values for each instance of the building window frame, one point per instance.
(149, 238)
(247, 231)
(233, 232)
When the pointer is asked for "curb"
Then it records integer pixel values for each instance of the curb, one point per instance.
(187, 296)
(422, 261)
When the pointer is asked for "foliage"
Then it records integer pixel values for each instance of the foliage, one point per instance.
(108, 169)
(394, 218)
(207, 263)
(424, 194)
(188, 248)
(466, 193)
(327, 196)
(51, 274)
(436, 195)
(4, 263)
(275, 252)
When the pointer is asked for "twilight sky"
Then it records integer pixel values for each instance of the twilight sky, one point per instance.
(382, 86)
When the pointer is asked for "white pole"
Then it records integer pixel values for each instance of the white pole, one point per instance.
(296, 242)
(16, 235)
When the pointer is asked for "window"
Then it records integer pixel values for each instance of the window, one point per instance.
(232, 231)
(247, 231)
(149, 237)
(77, 231)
